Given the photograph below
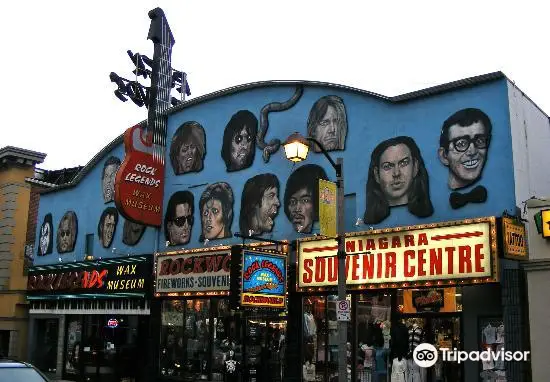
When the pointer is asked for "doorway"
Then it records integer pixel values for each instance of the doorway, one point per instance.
(46, 340)
(442, 330)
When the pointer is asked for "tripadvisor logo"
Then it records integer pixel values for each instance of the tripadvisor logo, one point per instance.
(426, 355)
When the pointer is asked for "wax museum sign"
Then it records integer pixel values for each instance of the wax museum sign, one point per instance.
(263, 280)
(193, 273)
(434, 254)
(132, 277)
(139, 181)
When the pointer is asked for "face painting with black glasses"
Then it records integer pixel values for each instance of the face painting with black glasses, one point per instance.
(179, 218)
(239, 141)
(464, 141)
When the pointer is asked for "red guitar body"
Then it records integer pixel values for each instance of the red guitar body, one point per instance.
(139, 184)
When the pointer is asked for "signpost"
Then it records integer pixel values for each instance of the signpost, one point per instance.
(343, 312)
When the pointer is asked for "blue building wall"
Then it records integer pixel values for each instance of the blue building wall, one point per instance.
(370, 119)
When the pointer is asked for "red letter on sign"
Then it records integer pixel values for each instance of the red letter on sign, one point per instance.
(307, 276)
(479, 258)
(409, 270)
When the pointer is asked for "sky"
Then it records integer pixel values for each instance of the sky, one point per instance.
(57, 55)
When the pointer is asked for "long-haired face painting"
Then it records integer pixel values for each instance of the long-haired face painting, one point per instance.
(46, 236)
(188, 148)
(239, 139)
(66, 232)
(328, 123)
(301, 196)
(397, 176)
(216, 209)
(110, 169)
(259, 204)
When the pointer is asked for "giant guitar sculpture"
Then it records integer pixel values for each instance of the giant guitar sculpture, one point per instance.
(139, 183)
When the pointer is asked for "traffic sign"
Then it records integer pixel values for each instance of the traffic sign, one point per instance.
(343, 311)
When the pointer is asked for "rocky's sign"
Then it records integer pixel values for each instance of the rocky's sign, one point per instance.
(416, 255)
(193, 273)
(130, 277)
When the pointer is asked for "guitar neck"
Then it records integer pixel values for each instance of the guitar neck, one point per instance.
(161, 82)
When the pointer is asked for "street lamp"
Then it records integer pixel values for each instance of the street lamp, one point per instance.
(296, 149)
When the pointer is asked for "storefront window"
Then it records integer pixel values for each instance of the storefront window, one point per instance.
(320, 334)
(373, 336)
(185, 335)
(227, 340)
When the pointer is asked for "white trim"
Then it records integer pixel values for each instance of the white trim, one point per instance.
(129, 307)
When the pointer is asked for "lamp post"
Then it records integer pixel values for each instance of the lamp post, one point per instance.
(296, 149)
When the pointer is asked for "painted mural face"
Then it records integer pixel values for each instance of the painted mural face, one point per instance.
(132, 232)
(108, 230)
(241, 148)
(187, 156)
(301, 210)
(259, 204)
(179, 228)
(463, 145)
(395, 174)
(216, 209)
(213, 226)
(46, 236)
(268, 209)
(328, 123)
(326, 130)
(108, 178)
(239, 139)
(466, 154)
(188, 148)
(107, 226)
(66, 233)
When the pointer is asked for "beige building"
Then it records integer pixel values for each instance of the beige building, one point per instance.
(15, 196)
(537, 271)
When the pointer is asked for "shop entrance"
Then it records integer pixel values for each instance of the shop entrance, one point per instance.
(441, 330)
(264, 347)
(45, 354)
(111, 348)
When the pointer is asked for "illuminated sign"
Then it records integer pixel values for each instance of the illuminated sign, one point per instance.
(545, 223)
(112, 323)
(263, 280)
(327, 208)
(106, 278)
(139, 181)
(515, 239)
(431, 300)
(192, 273)
(448, 253)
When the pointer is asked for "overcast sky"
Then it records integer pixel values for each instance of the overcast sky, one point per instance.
(57, 55)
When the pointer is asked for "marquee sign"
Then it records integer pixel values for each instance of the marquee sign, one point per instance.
(433, 254)
(515, 239)
(193, 273)
(108, 278)
(263, 280)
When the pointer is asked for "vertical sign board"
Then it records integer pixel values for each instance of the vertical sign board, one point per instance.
(263, 279)
(545, 223)
(327, 208)
(515, 239)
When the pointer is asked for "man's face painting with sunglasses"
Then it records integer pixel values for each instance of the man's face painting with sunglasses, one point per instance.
(465, 154)
(241, 148)
(179, 229)
(66, 235)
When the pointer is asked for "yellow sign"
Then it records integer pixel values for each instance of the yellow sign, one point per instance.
(515, 240)
(545, 223)
(327, 208)
(451, 253)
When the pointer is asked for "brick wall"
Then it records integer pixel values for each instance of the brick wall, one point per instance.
(33, 214)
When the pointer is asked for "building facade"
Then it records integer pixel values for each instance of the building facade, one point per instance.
(16, 164)
(451, 160)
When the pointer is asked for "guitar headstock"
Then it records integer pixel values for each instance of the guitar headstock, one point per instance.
(159, 30)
